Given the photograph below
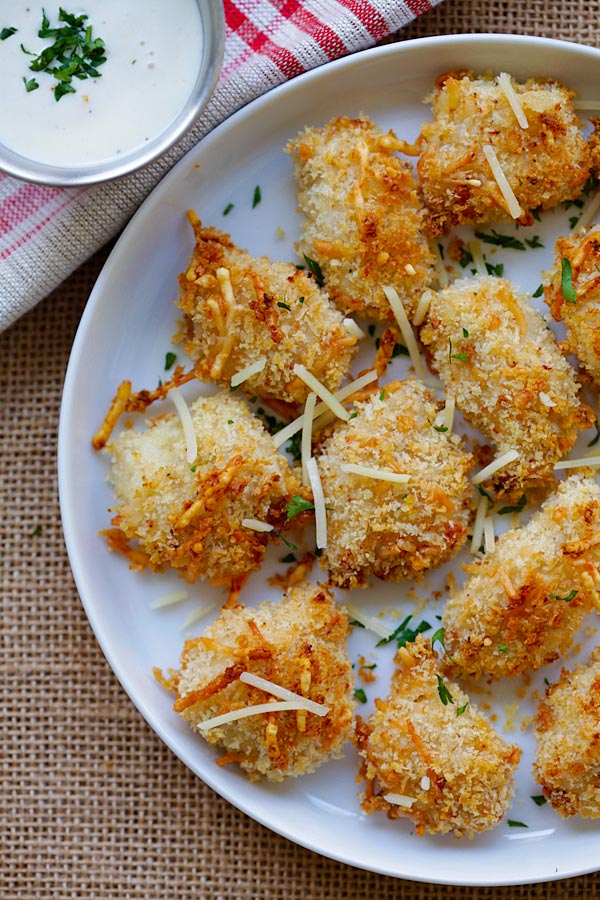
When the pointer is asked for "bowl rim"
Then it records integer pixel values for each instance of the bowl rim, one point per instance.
(212, 19)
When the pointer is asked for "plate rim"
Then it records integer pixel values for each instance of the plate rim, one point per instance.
(102, 636)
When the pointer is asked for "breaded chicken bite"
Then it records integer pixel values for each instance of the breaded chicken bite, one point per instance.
(190, 516)
(376, 526)
(572, 291)
(431, 756)
(298, 645)
(241, 311)
(364, 217)
(496, 356)
(532, 132)
(525, 601)
(567, 726)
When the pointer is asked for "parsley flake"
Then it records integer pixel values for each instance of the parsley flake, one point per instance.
(463, 357)
(570, 596)
(371, 330)
(315, 268)
(300, 299)
(465, 333)
(30, 85)
(294, 446)
(502, 648)
(497, 270)
(360, 695)
(404, 635)
(7, 32)
(539, 799)
(382, 395)
(595, 440)
(257, 197)
(445, 695)
(284, 305)
(169, 360)
(534, 242)
(484, 493)
(290, 558)
(539, 291)
(355, 623)
(462, 709)
(568, 291)
(514, 824)
(500, 240)
(296, 506)
(573, 220)
(228, 209)
(519, 506)
(230, 421)
(285, 541)
(441, 428)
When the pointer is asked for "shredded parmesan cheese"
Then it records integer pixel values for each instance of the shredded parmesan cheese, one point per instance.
(410, 269)
(306, 443)
(505, 189)
(253, 369)
(321, 391)
(400, 800)
(422, 307)
(448, 414)
(373, 624)
(406, 331)
(256, 710)
(474, 248)
(224, 279)
(546, 400)
(290, 430)
(511, 95)
(197, 614)
(425, 783)
(371, 472)
(169, 599)
(185, 417)
(256, 525)
(320, 512)
(591, 461)
(440, 268)
(480, 515)
(354, 329)
(589, 213)
(489, 538)
(271, 688)
(494, 466)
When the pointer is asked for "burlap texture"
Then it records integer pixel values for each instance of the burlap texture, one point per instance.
(92, 804)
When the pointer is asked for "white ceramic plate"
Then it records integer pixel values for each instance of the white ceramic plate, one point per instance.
(125, 332)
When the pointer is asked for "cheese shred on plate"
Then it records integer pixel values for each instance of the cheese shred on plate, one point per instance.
(247, 711)
(591, 461)
(423, 306)
(505, 83)
(319, 500)
(363, 618)
(474, 248)
(253, 369)
(406, 331)
(440, 268)
(489, 538)
(256, 525)
(505, 189)
(186, 421)
(370, 472)
(196, 614)
(290, 430)
(494, 466)
(319, 709)
(478, 525)
(306, 443)
(400, 800)
(321, 391)
(354, 329)
(169, 599)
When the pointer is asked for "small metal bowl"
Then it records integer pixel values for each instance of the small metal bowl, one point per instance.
(213, 31)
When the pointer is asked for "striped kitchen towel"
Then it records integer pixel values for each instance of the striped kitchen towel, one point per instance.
(46, 232)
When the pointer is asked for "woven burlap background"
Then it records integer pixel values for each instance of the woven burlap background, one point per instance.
(92, 804)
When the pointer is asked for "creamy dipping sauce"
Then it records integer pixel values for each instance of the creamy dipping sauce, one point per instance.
(153, 54)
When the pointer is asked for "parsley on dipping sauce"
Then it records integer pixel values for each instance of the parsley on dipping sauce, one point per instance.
(568, 291)
(75, 53)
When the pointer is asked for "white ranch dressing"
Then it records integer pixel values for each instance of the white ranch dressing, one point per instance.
(153, 49)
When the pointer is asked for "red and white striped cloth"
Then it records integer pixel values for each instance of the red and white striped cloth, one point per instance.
(45, 233)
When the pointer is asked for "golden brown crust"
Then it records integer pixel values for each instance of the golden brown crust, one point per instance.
(523, 603)
(239, 309)
(299, 644)
(363, 216)
(445, 757)
(545, 164)
(567, 729)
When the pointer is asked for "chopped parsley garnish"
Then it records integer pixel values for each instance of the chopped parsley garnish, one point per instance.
(441, 249)
(355, 623)
(257, 197)
(484, 493)
(284, 305)
(372, 666)
(463, 357)
(230, 421)
(315, 268)
(360, 695)
(590, 185)
(285, 541)
(514, 824)
(500, 240)
(318, 551)
(465, 258)
(300, 299)
(7, 32)
(539, 291)
(465, 332)
(497, 270)
(382, 395)
(534, 242)
(169, 360)
(570, 596)
(519, 506)
(595, 440)
(502, 648)
(37, 530)
(296, 506)
(445, 695)
(232, 388)
(399, 350)
(354, 415)
(568, 291)
(404, 635)
(546, 682)
(290, 558)
(294, 446)
(272, 422)
(573, 220)
(253, 399)
(536, 214)
(30, 85)
(461, 709)
(539, 799)
(440, 638)
(75, 53)
(228, 209)
(441, 428)
(193, 468)
(371, 330)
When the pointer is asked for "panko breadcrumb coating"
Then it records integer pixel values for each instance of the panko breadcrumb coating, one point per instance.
(581, 312)
(364, 217)
(524, 602)
(190, 516)
(427, 743)
(299, 644)
(496, 356)
(239, 309)
(567, 729)
(388, 529)
(545, 164)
